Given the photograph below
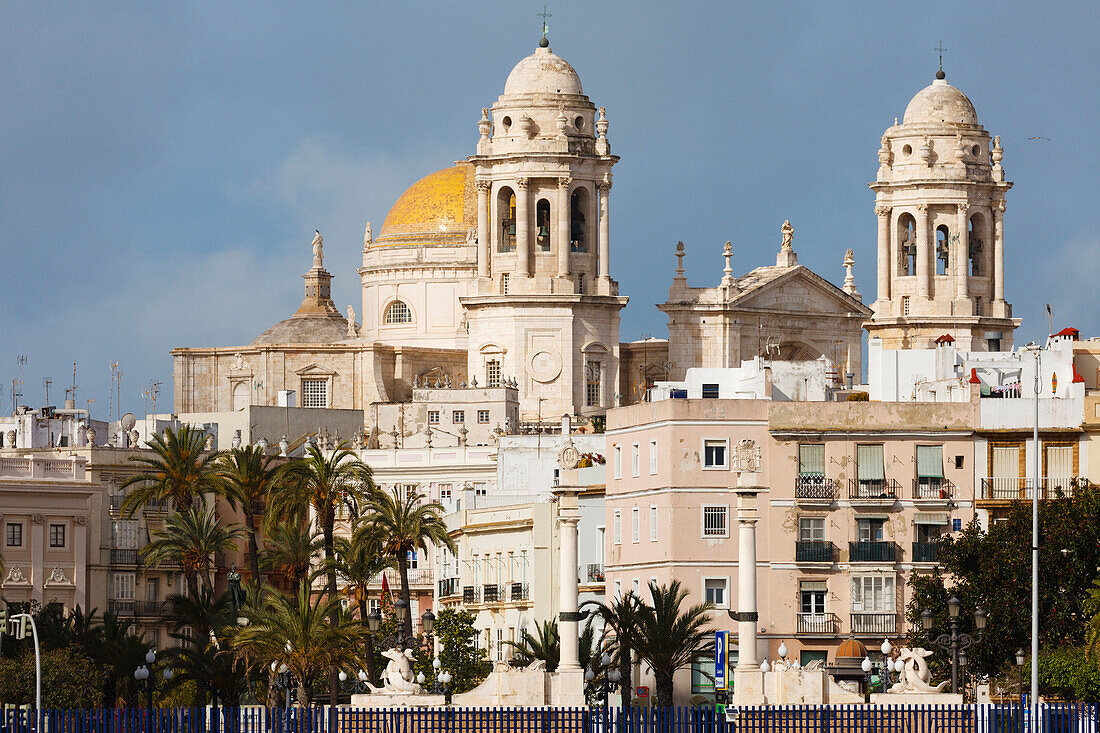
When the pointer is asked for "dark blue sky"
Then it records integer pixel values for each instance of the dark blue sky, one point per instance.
(163, 165)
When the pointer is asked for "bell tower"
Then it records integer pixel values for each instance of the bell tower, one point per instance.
(543, 308)
(940, 201)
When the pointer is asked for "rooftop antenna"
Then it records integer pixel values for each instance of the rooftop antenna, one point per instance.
(72, 395)
(46, 382)
(16, 384)
(1050, 320)
(940, 49)
(544, 42)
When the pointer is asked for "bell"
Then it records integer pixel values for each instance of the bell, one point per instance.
(544, 231)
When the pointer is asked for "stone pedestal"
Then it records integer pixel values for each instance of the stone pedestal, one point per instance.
(915, 698)
(567, 689)
(398, 701)
(748, 685)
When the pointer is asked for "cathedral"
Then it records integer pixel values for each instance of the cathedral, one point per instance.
(490, 280)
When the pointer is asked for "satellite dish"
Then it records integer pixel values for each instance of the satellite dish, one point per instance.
(128, 421)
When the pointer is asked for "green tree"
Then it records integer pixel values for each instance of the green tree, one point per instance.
(992, 569)
(620, 620)
(1092, 608)
(70, 679)
(467, 664)
(290, 552)
(294, 631)
(669, 638)
(544, 645)
(191, 538)
(358, 562)
(1068, 673)
(180, 470)
(401, 526)
(249, 476)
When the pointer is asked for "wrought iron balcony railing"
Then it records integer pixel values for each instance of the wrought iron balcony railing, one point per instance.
(817, 623)
(876, 624)
(811, 487)
(813, 551)
(929, 487)
(872, 551)
(872, 488)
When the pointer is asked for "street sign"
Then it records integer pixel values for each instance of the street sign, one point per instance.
(643, 691)
(721, 640)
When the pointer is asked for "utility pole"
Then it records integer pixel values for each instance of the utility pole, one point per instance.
(46, 382)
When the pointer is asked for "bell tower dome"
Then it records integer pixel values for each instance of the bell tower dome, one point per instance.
(940, 200)
(543, 308)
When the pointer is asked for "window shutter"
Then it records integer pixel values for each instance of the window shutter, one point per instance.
(930, 461)
(869, 462)
(811, 460)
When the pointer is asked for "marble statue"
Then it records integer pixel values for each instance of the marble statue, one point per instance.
(788, 236)
(353, 330)
(318, 249)
(471, 237)
(914, 675)
(398, 679)
(368, 236)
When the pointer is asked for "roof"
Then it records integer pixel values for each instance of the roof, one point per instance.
(440, 206)
(543, 72)
(1071, 332)
(939, 103)
(851, 649)
(945, 339)
(316, 328)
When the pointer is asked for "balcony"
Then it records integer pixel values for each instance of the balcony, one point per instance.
(875, 624)
(150, 608)
(595, 572)
(155, 506)
(932, 490)
(877, 491)
(519, 592)
(123, 556)
(813, 489)
(1009, 489)
(925, 551)
(814, 551)
(818, 623)
(116, 500)
(885, 552)
(468, 594)
(448, 587)
(491, 593)
(121, 608)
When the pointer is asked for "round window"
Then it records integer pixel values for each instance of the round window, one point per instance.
(908, 150)
(579, 123)
(976, 151)
(507, 122)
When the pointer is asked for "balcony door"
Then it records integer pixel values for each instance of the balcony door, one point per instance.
(1005, 474)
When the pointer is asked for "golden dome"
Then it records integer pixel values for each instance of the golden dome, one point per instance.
(438, 209)
(851, 649)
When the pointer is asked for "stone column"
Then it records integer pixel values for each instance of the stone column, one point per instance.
(884, 258)
(604, 255)
(924, 277)
(483, 228)
(748, 678)
(562, 237)
(80, 561)
(999, 251)
(962, 255)
(568, 517)
(38, 543)
(523, 227)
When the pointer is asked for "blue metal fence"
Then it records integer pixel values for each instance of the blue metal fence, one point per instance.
(1052, 718)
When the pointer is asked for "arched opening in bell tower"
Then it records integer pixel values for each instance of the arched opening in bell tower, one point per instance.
(578, 224)
(506, 206)
(943, 250)
(907, 245)
(542, 222)
(976, 245)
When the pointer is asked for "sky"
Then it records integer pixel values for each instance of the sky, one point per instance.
(163, 165)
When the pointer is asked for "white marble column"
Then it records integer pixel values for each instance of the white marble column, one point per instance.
(483, 228)
(38, 544)
(523, 227)
(568, 618)
(999, 251)
(562, 238)
(80, 561)
(884, 258)
(962, 254)
(924, 250)
(748, 677)
(604, 254)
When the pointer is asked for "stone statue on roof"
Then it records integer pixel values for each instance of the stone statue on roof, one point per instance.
(318, 249)
(788, 236)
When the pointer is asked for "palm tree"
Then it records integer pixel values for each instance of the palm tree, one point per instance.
(118, 651)
(544, 645)
(291, 549)
(180, 471)
(620, 617)
(358, 562)
(294, 631)
(403, 526)
(249, 476)
(205, 623)
(322, 485)
(668, 639)
(191, 538)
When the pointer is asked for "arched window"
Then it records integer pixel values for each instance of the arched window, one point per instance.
(542, 221)
(943, 250)
(506, 204)
(975, 245)
(398, 312)
(907, 245)
(578, 202)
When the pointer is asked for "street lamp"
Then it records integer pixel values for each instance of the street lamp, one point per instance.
(283, 681)
(610, 676)
(1021, 657)
(955, 642)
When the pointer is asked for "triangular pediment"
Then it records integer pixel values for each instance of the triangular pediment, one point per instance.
(800, 289)
(314, 370)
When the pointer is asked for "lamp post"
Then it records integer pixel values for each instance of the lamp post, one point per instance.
(955, 642)
(397, 640)
(1021, 657)
(610, 676)
(147, 673)
(283, 681)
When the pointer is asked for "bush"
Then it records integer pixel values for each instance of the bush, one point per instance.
(1068, 674)
(70, 679)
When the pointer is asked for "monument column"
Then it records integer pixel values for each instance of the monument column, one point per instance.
(483, 228)
(568, 517)
(523, 228)
(563, 226)
(883, 252)
(604, 255)
(748, 677)
(924, 279)
(962, 255)
(999, 251)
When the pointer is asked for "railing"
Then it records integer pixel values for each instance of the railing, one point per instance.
(448, 587)
(150, 608)
(155, 506)
(116, 501)
(417, 576)
(125, 556)
(925, 551)
(468, 595)
(813, 551)
(818, 623)
(872, 488)
(930, 487)
(519, 592)
(490, 593)
(872, 551)
(811, 487)
(121, 608)
(877, 624)
(595, 572)
(1011, 488)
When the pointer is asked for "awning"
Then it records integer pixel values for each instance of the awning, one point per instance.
(931, 518)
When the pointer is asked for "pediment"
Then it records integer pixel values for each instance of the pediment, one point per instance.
(800, 289)
(313, 370)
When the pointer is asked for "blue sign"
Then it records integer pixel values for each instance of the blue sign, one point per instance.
(720, 640)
